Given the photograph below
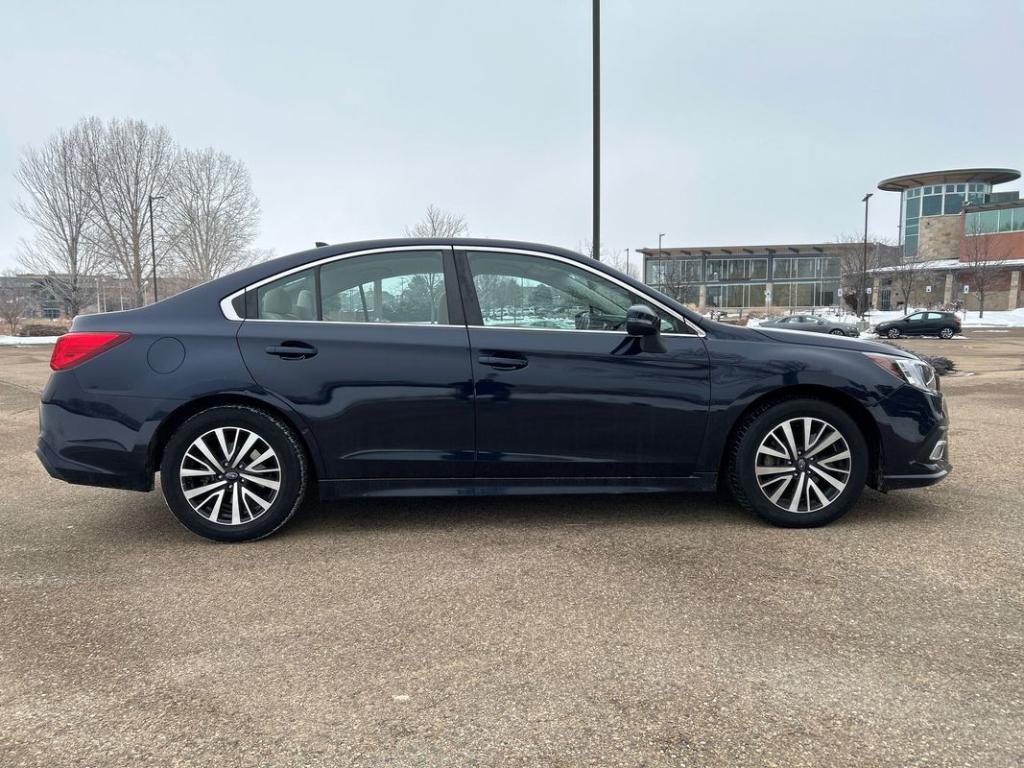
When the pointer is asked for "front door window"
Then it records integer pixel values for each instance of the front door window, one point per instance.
(522, 291)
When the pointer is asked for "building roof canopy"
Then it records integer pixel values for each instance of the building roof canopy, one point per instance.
(955, 176)
(809, 249)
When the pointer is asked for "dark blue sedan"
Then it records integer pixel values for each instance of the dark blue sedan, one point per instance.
(471, 367)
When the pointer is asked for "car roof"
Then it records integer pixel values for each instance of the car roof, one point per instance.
(228, 284)
(283, 263)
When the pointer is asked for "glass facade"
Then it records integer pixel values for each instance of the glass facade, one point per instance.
(742, 282)
(746, 295)
(1001, 220)
(672, 271)
(803, 268)
(737, 269)
(935, 200)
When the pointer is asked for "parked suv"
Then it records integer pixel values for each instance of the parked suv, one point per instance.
(930, 323)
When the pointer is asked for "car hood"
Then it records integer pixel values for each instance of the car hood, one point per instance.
(827, 340)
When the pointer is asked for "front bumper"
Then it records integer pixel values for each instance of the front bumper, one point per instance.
(914, 462)
(900, 482)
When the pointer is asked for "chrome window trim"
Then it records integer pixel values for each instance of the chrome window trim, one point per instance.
(227, 306)
(228, 310)
(697, 330)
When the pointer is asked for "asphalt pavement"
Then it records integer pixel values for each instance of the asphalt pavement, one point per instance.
(563, 631)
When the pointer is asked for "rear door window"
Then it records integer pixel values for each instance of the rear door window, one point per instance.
(405, 287)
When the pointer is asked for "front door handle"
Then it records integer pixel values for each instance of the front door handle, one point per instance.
(292, 350)
(504, 362)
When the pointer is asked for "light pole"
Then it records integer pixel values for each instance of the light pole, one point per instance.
(596, 16)
(863, 298)
(152, 242)
(660, 235)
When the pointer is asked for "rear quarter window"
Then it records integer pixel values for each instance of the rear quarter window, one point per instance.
(292, 297)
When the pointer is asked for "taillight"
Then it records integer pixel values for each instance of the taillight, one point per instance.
(76, 347)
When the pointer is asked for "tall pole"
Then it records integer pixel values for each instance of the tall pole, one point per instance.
(864, 263)
(597, 129)
(152, 247)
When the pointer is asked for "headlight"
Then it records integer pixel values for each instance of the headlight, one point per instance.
(915, 372)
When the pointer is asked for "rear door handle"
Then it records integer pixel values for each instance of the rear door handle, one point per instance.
(505, 362)
(292, 350)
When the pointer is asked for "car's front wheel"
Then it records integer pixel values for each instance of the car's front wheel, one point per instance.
(798, 463)
(233, 473)
(893, 333)
(837, 332)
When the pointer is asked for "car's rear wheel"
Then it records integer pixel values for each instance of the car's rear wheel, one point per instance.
(947, 332)
(233, 473)
(836, 332)
(893, 333)
(798, 463)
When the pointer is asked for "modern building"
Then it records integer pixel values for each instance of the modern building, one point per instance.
(949, 222)
(43, 296)
(756, 277)
(957, 235)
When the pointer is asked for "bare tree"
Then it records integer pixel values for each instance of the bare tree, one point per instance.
(58, 202)
(128, 161)
(677, 279)
(984, 256)
(437, 222)
(212, 215)
(14, 301)
(857, 263)
(621, 261)
(905, 274)
(259, 255)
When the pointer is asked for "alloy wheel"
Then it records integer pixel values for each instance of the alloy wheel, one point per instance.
(230, 475)
(894, 333)
(803, 465)
(946, 333)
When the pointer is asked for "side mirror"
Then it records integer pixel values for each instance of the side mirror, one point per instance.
(645, 326)
(641, 321)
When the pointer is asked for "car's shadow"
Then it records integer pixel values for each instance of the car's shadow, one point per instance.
(696, 510)
(518, 511)
(152, 521)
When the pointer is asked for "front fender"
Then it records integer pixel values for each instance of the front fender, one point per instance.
(744, 372)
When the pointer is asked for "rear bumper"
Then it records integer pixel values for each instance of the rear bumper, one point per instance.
(87, 446)
(61, 468)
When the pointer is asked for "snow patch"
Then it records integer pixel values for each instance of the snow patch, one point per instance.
(26, 341)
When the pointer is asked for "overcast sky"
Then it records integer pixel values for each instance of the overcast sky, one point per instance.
(724, 122)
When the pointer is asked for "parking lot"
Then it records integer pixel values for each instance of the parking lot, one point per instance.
(633, 630)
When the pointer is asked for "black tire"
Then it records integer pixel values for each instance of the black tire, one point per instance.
(289, 455)
(755, 428)
(947, 332)
(893, 333)
(836, 332)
